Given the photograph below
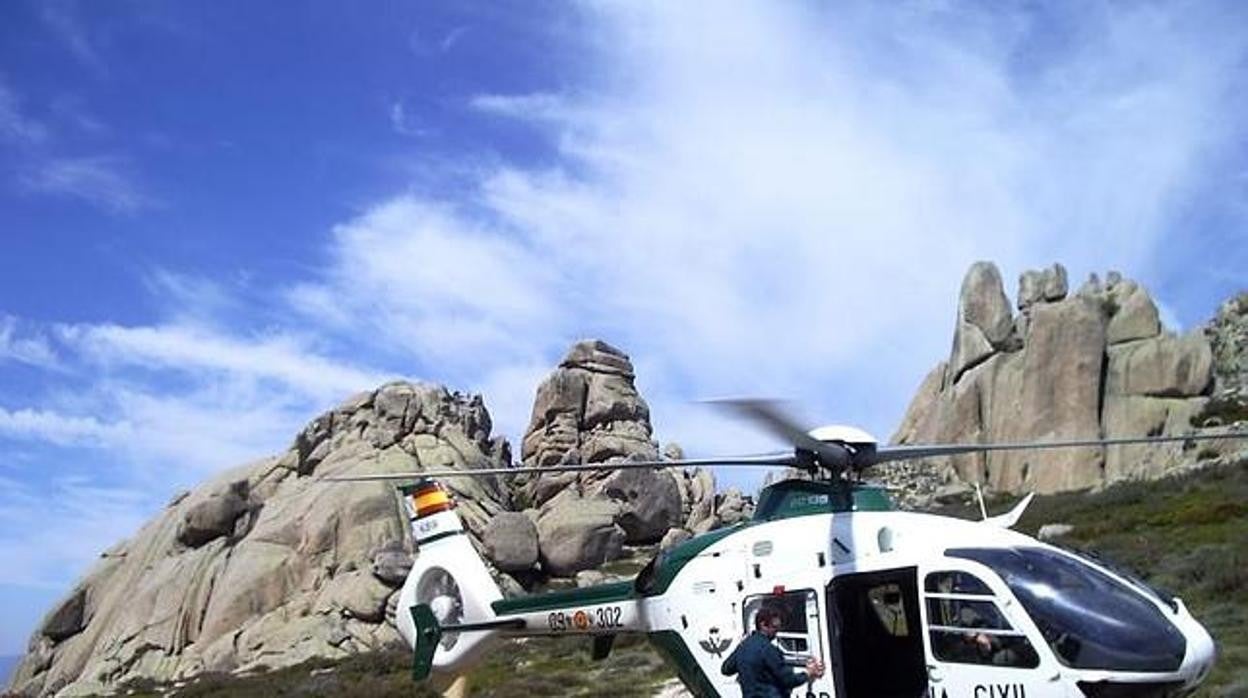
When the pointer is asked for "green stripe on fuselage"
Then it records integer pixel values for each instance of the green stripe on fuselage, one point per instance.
(672, 647)
(670, 563)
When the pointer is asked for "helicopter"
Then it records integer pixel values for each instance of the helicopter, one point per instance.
(895, 604)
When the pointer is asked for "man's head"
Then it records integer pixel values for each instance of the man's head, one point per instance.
(768, 621)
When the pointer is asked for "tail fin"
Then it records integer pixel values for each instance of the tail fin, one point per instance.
(428, 634)
(448, 586)
(1011, 517)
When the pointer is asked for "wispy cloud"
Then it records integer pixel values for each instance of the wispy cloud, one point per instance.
(62, 429)
(102, 181)
(540, 106)
(71, 109)
(417, 272)
(62, 19)
(15, 126)
(403, 123)
(181, 437)
(188, 299)
(196, 350)
(34, 350)
(452, 37)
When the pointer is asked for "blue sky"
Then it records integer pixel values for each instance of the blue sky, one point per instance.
(219, 218)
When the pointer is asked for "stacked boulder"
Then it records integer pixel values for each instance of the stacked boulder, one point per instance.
(589, 411)
(264, 566)
(1067, 367)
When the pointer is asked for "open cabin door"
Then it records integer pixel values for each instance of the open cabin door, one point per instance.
(977, 641)
(876, 635)
(801, 634)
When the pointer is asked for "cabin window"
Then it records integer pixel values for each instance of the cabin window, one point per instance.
(799, 610)
(966, 626)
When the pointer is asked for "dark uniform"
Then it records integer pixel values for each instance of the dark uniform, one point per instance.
(760, 669)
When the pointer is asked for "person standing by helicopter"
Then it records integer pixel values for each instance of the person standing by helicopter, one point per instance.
(759, 665)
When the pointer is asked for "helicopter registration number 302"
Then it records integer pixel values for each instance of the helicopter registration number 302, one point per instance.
(604, 618)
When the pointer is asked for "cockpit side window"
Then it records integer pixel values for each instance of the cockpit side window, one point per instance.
(1089, 619)
(956, 583)
(967, 626)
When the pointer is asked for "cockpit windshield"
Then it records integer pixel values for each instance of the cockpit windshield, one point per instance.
(1156, 592)
(1088, 618)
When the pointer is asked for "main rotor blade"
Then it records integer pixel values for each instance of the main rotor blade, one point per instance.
(768, 461)
(885, 454)
(769, 414)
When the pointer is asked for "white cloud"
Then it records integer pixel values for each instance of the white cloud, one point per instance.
(437, 284)
(168, 438)
(202, 351)
(33, 350)
(509, 390)
(541, 106)
(171, 404)
(62, 429)
(783, 202)
(99, 180)
(187, 300)
(179, 438)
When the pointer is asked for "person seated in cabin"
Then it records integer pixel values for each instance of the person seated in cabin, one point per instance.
(759, 665)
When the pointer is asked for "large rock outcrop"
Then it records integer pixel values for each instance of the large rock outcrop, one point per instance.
(589, 411)
(263, 565)
(1067, 367)
(266, 566)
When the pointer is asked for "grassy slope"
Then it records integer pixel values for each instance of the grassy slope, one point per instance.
(1188, 534)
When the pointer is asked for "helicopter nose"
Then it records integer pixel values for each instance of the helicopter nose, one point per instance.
(1201, 653)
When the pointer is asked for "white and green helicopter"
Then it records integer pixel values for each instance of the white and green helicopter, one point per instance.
(896, 604)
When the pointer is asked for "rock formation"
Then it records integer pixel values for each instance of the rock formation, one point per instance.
(1095, 364)
(1228, 337)
(264, 566)
(589, 411)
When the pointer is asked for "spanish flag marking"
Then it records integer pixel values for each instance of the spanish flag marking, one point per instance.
(431, 501)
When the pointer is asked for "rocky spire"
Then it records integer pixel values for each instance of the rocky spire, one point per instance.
(589, 411)
(1092, 364)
